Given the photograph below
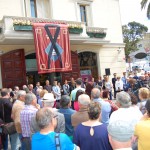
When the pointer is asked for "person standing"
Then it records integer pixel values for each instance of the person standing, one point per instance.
(15, 114)
(108, 86)
(82, 114)
(5, 115)
(48, 87)
(65, 104)
(142, 129)
(25, 119)
(119, 85)
(124, 80)
(66, 88)
(92, 134)
(57, 93)
(114, 79)
(48, 102)
(105, 106)
(120, 135)
(46, 138)
(73, 93)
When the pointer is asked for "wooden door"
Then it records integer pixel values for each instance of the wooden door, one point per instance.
(13, 69)
(75, 73)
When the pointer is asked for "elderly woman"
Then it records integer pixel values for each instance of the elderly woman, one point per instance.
(143, 96)
(142, 129)
(47, 139)
(92, 134)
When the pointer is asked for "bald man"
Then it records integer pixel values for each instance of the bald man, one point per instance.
(82, 114)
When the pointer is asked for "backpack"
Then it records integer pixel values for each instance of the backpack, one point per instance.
(57, 141)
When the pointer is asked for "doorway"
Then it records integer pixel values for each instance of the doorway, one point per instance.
(88, 65)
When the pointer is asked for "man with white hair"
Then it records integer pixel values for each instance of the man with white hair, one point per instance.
(48, 101)
(25, 118)
(82, 114)
(125, 112)
(120, 135)
(18, 106)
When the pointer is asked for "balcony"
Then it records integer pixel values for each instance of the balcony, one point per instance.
(14, 30)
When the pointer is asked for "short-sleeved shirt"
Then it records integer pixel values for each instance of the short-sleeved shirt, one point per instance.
(47, 142)
(99, 141)
(25, 119)
(73, 93)
(142, 131)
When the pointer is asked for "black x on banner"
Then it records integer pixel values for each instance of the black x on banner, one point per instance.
(53, 42)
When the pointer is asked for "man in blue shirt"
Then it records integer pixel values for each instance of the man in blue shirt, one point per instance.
(65, 104)
(46, 139)
(105, 106)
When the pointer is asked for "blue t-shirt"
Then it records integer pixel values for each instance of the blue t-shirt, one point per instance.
(67, 114)
(99, 141)
(47, 142)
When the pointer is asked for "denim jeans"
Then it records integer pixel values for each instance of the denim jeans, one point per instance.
(5, 141)
(22, 143)
(27, 143)
(14, 141)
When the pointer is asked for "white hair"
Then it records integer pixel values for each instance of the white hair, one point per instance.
(84, 99)
(20, 93)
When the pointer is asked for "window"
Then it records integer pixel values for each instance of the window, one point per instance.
(33, 8)
(83, 13)
(37, 8)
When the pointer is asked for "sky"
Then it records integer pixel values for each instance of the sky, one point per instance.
(131, 11)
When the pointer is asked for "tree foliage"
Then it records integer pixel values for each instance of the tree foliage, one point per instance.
(145, 3)
(132, 34)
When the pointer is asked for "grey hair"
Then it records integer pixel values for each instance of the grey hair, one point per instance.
(20, 93)
(95, 93)
(84, 99)
(44, 117)
(29, 98)
(124, 99)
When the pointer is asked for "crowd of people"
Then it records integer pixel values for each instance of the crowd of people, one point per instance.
(106, 114)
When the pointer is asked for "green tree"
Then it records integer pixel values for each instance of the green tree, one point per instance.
(146, 3)
(132, 34)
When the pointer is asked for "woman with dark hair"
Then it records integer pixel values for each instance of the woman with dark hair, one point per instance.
(134, 101)
(105, 97)
(92, 134)
(76, 106)
(142, 129)
(88, 89)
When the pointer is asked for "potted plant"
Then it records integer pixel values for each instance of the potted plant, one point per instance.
(22, 25)
(96, 34)
(75, 29)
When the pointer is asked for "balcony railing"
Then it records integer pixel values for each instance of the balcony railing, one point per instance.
(12, 23)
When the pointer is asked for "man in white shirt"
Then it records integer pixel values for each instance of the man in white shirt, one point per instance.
(125, 112)
(119, 85)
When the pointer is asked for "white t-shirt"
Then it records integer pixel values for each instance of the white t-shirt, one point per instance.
(119, 85)
(131, 115)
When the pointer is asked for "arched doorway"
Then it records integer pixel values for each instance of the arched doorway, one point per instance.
(88, 65)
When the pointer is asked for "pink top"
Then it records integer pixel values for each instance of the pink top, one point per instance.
(76, 106)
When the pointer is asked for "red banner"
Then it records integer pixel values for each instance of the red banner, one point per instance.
(52, 47)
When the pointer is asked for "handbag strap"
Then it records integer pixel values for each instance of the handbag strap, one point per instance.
(3, 112)
(57, 141)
